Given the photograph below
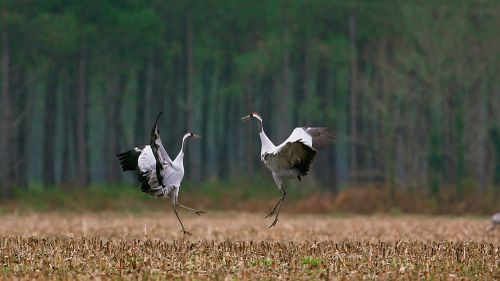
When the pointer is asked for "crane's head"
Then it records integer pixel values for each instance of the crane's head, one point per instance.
(252, 115)
(190, 134)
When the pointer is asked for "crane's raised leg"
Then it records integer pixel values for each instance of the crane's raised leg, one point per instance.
(277, 208)
(177, 215)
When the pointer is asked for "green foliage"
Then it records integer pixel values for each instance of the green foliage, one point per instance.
(311, 262)
(425, 85)
(263, 262)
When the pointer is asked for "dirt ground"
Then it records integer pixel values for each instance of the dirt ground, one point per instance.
(222, 226)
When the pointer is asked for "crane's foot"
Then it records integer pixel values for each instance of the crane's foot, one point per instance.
(199, 212)
(274, 209)
(185, 232)
(271, 213)
(274, 222)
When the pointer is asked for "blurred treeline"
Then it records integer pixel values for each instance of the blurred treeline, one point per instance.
(411, 87)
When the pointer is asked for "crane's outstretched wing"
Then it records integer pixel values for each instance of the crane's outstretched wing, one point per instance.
(300, 148)
(151, 162)
(142, 160)
(295, 155)
(149, 175)
(296, 152)
(156, 139)
(160, 154)
(321, 136)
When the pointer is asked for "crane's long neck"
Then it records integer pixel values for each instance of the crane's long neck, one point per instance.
(266, 143)
(180, 156)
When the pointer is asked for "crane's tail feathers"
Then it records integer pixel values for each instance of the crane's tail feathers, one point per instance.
(128, 159)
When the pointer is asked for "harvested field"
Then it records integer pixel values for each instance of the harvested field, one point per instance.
(239, 246)
(234, 226)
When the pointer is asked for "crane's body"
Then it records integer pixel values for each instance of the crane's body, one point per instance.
(292, 158)
(289, 160)
(172, 175)
(158, 174)
(495, 219)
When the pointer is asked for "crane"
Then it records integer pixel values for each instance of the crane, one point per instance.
(292, 158)
(495, 221)
(159, 175)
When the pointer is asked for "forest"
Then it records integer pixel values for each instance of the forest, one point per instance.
(411, 88)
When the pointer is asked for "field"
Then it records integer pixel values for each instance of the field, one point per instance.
(239, 246)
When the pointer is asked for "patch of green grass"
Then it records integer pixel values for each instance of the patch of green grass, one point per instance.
(267, 262)
(264, 262)
(253, 263)
(311, 261)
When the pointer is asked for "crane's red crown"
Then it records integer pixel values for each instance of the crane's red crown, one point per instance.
(191, 135)
(256, 115)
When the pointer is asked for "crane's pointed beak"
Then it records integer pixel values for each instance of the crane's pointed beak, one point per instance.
(246, 118)
(195, 136)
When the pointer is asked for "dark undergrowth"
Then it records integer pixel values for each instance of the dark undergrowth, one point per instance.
(257, 195)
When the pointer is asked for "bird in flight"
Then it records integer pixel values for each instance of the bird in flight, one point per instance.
(292, 158)
(158, 174)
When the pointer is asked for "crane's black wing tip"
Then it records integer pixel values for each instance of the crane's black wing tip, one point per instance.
(128, 159)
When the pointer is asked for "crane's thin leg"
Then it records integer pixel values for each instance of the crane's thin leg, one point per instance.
(274, 209)
(183, 229)
(198, 212)
(280, 202)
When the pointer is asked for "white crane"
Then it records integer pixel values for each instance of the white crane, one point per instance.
(292, 158)
(159, 175)
(495, 221)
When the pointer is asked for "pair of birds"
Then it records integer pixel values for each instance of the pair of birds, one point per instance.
(161, 176)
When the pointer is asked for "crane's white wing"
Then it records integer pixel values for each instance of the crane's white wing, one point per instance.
(298, 134)
(321, 136)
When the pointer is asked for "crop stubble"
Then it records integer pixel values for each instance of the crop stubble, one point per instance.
(238, 245)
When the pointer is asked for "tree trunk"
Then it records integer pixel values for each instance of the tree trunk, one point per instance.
(193, 155)
(213, 130)
(113, 124)
(66, 112)
(249, 132)
(139, 129)
(205, 105)
(82, 122)
(353, 96)
(50, 128)
(6, 119)
(283, 117)
(495, 140)
(22, 133)
(460, 152)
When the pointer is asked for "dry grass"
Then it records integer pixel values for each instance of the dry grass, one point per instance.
(239, 245)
